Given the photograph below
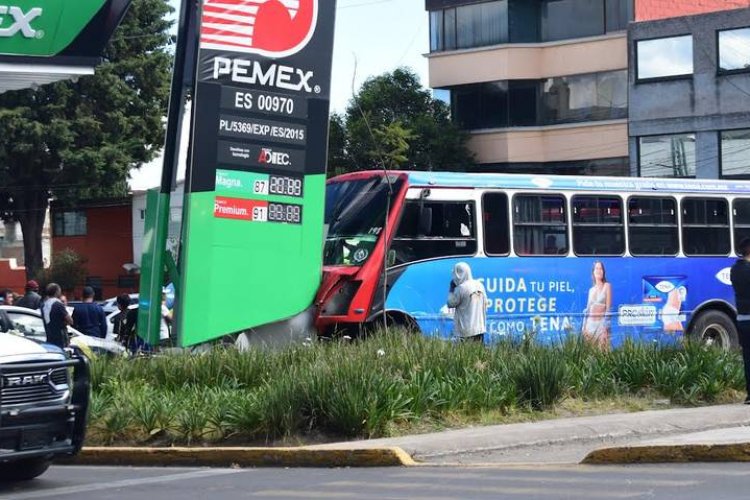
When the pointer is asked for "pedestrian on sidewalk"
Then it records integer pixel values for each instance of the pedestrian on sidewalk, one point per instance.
(469, 299)
(31, 300)
(740, 277)
(89, 317)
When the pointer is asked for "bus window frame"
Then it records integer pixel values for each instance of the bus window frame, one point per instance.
(568, 236)
(509, 213)
(678, 225)
(725, 199)
(397, 226)
(622, 225)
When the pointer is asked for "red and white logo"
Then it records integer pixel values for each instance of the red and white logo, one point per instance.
(271, 28)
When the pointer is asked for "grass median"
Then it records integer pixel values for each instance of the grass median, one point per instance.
(388, 385)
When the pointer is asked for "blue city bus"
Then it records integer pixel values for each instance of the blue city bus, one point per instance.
(606, 258)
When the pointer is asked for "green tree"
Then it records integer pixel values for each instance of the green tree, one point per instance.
(394, 101)
(74, 140)
(68, 270)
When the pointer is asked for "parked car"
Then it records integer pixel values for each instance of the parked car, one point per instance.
(44, 392)
(28, 323)
(110, 305)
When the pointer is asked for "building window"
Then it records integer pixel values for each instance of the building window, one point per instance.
(564, 19)
(70, 223)
(667, 155)
(735, 153)
(568, 99)
(496, 224)
(480, 24)
(466, 26)
(705, 226)
(652, 226)
(664, 58)
(598, 227)
(734, 50)
(539, 224)
(582, 98)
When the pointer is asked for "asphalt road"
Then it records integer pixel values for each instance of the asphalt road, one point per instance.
(677, 481)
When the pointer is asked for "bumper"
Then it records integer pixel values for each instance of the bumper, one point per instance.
(47, 430)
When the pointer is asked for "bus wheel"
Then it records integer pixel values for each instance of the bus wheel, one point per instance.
(715, 328)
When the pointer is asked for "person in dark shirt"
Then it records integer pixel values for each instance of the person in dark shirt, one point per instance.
(89, 318)
(740, 277)
(55, 317)
(32, 300)
(126, 324)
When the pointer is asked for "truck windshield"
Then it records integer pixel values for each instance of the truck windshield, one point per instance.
(354, 217)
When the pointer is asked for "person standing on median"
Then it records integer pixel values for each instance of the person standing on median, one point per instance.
(469, 299)
(740, 277)
(89, 317)
(31, 300)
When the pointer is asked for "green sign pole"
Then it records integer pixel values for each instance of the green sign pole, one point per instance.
(157, 202)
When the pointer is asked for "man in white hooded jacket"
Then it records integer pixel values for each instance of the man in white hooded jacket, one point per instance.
(469, 299)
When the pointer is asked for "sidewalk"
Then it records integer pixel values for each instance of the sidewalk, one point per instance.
(569, 440)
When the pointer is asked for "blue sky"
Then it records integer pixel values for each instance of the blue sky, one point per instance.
(380, 35)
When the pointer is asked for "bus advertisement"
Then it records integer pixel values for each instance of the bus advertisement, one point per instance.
(608, 259)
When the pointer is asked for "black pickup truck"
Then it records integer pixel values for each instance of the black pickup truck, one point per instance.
(44, 396)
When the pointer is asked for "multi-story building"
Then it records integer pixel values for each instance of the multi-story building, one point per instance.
(542, 85)
(690, 96)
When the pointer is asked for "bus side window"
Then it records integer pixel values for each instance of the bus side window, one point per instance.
(496, 224)
(598, 227)
(537, 218)
(452, 231)
(741, 212)
(652, 226)
(705, 226)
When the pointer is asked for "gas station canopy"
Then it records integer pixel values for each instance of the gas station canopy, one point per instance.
(43, 41)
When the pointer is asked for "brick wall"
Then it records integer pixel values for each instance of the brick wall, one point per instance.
(648, 10)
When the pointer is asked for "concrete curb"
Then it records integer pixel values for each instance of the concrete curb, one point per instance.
(242, 457)
(733, 452)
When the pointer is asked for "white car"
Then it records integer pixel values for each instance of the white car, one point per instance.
(110, 305)
(28, 323)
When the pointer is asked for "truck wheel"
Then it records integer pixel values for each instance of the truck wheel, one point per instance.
(715, 328)
(24, 470)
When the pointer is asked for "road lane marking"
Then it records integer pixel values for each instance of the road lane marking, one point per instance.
(84, 488)
(341, 494)
(505, 477)
(498, 490)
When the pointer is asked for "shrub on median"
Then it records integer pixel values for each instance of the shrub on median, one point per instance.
(367, 388)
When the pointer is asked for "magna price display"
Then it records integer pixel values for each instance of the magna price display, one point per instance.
(256, 183)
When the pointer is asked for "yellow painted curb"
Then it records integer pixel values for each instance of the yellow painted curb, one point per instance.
(735, 452)
(243, 457)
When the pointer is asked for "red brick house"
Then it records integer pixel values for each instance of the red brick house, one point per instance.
(101, 231)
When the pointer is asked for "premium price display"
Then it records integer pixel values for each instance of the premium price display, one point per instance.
(257, 210)
(285, 212)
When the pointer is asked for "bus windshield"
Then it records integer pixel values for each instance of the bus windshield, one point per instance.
(354, 218)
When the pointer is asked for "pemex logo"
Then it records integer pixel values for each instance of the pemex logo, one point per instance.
(271, 28)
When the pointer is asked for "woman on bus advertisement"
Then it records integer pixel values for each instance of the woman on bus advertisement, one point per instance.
(596, 319)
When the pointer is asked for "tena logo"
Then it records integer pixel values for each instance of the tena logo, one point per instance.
(21, 21)
(665, 286)
(724, 276)
(271, 28)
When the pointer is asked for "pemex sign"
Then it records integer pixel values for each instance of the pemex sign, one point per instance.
(254, 197)
(49, 28)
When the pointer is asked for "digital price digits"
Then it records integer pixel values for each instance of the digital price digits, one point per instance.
(285, 212)
(285, 186)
